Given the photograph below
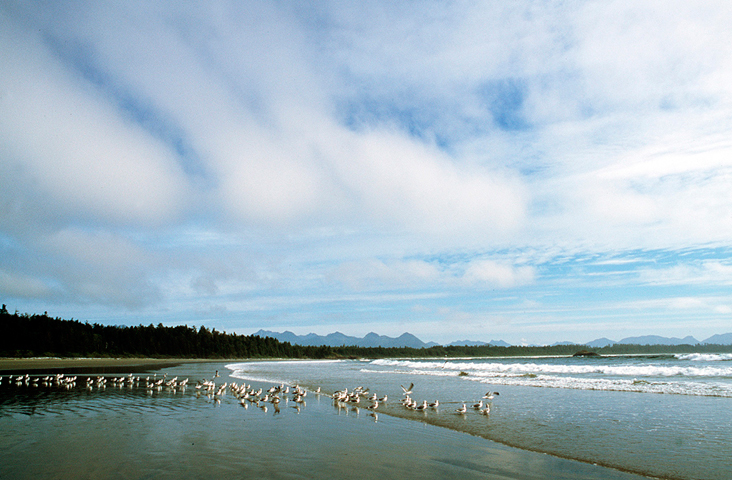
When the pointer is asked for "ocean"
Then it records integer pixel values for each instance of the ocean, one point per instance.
(614, 417)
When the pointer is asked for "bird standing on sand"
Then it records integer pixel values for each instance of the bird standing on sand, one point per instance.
(462, 409)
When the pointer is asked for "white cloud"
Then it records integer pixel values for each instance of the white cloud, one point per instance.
(496, 274)
(651, 53)
(701, 273)
(672, 305)
(375, 273)
(478, 274)
(416, 187)
(68, 151)
(100, 267)
(23, 286)
(252, 102)
(723, 309)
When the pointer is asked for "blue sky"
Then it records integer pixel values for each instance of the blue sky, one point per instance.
(526, 171)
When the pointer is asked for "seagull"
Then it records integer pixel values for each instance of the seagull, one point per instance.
(489, 395)
(478, 405)
(407, 391)
(462, 409)
(373, 406)
(423, 407)
(435, 404)
(486, 410)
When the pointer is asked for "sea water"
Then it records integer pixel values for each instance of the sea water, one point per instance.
(657, 415)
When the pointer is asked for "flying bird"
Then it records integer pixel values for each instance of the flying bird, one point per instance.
(407, 391)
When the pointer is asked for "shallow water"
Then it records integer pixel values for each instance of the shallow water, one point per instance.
(665, 416)
(133, 432)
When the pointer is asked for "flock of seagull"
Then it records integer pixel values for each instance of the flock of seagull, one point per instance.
(484, 408)
(248, 395)
(90, 383)
(344, 397)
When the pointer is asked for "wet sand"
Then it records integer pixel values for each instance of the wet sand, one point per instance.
(91, 365)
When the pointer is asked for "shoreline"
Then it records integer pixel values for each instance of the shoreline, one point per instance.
(80, 365)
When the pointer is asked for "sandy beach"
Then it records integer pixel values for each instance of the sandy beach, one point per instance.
(102, 365)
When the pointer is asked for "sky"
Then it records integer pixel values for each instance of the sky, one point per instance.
(533, 172)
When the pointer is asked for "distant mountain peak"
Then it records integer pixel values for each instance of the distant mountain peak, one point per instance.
(719, 339)
(659, 340)
(601, 342)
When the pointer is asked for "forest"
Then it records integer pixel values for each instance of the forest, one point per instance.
(25, 335)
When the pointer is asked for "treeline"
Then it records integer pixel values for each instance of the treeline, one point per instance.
(24, 335)
(453, 351)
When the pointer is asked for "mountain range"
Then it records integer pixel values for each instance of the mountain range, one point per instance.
(723, 339)
(338, 339)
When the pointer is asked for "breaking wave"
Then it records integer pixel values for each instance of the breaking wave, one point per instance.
(647, 375)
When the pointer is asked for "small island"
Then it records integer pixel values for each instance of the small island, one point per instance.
(586, 353)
